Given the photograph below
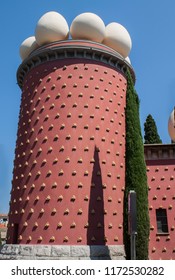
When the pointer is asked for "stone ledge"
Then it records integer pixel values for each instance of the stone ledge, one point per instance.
(61, 252)
(159, 151)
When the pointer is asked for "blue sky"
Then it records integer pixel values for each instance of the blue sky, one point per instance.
(151, 24)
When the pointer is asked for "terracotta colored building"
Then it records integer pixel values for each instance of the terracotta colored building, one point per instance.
(160, 161)
(3, 227)
(70, 156)
(69, 169)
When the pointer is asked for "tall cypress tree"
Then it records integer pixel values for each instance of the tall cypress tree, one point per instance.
(136, 178)
(151, 135)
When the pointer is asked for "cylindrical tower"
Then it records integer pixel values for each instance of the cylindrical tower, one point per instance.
(69, 172)
(69, 168)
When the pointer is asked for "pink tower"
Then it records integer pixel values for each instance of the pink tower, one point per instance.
(69, 168)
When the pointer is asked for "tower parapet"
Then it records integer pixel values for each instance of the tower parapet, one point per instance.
(74, 49)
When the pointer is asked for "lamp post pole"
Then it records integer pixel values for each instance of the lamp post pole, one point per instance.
(132, 220)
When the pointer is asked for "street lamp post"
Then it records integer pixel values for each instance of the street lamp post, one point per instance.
(132, 222)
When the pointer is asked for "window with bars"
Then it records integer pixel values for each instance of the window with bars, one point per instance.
(161, 218)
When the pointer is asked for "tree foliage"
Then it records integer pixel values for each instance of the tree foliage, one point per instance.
(136, 178)
(151, 134)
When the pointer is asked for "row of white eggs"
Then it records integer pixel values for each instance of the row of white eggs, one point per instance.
(52, 27)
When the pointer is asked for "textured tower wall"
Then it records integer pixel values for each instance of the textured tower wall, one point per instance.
(69, 169)
(160, 173)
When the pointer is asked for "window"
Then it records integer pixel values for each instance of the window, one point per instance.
(15, 234)
(161, 218)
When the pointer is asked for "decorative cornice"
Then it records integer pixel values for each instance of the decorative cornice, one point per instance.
(73, 49)
(159, 151)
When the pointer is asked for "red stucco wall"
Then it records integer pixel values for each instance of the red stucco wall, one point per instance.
(161, 182)
(69, 169)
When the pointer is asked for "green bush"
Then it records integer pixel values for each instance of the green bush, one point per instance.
(136, 178)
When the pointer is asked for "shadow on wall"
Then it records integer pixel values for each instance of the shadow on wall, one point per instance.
(96, 223)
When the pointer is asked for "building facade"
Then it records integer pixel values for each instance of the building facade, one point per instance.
(160, 161)
(3, 227)
(70, 156)
(69, 169)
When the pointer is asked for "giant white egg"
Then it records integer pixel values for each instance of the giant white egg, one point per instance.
(88, 26)
(117, 38)
(171, 125)
(51, 27)
(27, 46)
(127, 59)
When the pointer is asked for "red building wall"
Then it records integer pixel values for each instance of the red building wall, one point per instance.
(160, 162)
(69, 168)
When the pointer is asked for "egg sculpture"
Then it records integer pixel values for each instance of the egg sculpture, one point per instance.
(51, 27)
(27, 46)
(117, 38)
(88, 26)
(171, 125)
(127, 59)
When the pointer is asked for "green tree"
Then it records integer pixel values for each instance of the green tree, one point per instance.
(136, 178)
(151, 135)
